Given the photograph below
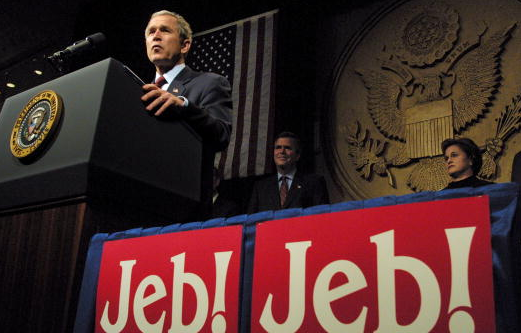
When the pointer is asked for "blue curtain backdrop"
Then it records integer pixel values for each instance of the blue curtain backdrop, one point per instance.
(505, 248)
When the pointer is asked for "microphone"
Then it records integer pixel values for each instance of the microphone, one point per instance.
(58, 59)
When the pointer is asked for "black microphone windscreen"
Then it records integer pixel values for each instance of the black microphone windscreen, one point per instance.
(96, 38)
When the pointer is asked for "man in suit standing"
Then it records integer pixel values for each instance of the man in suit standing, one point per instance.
(202, 100)
(289, 188)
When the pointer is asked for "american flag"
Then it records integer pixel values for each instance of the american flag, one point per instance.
(244, 53)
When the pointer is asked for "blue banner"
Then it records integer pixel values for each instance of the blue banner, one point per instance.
(504, 230)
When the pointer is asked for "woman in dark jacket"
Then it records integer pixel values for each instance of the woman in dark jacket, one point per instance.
(464, 161)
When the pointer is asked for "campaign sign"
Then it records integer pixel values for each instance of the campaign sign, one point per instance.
(421, 267)
(177, 282)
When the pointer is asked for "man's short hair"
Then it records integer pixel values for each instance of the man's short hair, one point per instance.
(291, 135)
(185, 32)
(470, 148)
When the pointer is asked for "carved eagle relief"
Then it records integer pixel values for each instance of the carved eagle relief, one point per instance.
(418, 105)
(477, 73)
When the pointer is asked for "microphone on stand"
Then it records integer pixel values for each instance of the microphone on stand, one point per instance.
(61, 58)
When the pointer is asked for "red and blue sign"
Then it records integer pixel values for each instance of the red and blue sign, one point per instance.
(418, 267)
(421, 267)
(179, 282)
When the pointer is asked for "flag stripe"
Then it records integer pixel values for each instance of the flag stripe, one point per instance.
(242, 88)
(268, 165)
(256, 98)
(227, 155)
(252, 56)
(265, 116)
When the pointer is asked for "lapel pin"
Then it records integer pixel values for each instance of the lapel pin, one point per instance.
(175, 90)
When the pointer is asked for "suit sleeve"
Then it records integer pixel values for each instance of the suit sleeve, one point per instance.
(211, 115)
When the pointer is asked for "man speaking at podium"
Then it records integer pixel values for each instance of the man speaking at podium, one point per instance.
(203, 100)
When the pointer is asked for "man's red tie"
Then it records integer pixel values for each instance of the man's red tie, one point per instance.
(160, 81)
(283, 190)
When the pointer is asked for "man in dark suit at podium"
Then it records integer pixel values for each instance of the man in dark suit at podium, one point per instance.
(203, 100)
(289, 188)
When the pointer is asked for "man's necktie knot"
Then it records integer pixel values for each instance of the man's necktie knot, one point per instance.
(160, 81)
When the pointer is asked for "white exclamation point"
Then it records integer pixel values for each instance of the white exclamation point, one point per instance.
(222, 259)
(460, 240)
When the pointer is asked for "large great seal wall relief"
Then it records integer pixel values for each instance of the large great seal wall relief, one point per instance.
(420, 72)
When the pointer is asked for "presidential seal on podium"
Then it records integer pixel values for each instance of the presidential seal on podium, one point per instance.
(36, 124)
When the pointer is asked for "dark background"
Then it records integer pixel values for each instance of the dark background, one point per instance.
(311, 36)
(30, 30)
(41, 270)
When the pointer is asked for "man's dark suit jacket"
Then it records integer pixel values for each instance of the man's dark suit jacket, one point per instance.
(209, 113)
(209, 109)
(306, 190)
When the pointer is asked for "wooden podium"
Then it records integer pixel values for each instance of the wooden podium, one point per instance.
(109, 166)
